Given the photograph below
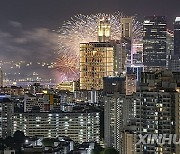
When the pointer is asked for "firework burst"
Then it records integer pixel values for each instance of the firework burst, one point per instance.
(83, 28)
(67, 67)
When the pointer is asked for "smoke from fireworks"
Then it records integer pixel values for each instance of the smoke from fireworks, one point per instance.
(81, 29)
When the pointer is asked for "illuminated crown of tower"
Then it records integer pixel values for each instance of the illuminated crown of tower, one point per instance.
(104, 29)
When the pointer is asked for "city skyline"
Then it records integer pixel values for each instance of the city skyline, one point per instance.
(90, 77)
(29, 29)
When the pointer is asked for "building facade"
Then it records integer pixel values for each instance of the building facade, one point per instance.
(130, 84)
(104, 29)
(154, 42)
(136, 69)
(126, 38)
(79, 126)
(119, 110)
(114, 84)
(6, 116)
(157, 112)
(96, 62)
(126, 27)
(177, 37)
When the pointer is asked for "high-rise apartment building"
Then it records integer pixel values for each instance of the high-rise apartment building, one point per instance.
(129, 141)
(82, 126)
(42, 102)
(6, 116)
(119, 110)
(177, 116)
(157, 112)
(154, 42)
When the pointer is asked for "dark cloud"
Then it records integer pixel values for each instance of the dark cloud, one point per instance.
(32, 45)
(15, 24)
(38, 44)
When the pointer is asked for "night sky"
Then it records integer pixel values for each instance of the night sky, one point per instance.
(26, 25)
(50, 13)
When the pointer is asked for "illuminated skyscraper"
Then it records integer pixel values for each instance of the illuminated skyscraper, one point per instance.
(154, 45)
(119, 55)
(104, 30)
(126, 27)
(100, 59)
(177, 37)
(96, 62)
(125, 53)
(126, 38)
(169, 49)
(174, 44)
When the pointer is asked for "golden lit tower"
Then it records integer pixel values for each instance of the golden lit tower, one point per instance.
(99, 59)
(104, 29)
(96, 62)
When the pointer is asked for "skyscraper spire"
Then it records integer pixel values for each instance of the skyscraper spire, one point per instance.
(104, 29)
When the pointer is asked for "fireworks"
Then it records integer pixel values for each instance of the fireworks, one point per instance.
(67, 67)
(83, 28)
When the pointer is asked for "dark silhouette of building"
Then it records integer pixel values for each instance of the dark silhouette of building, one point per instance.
(154, 45)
